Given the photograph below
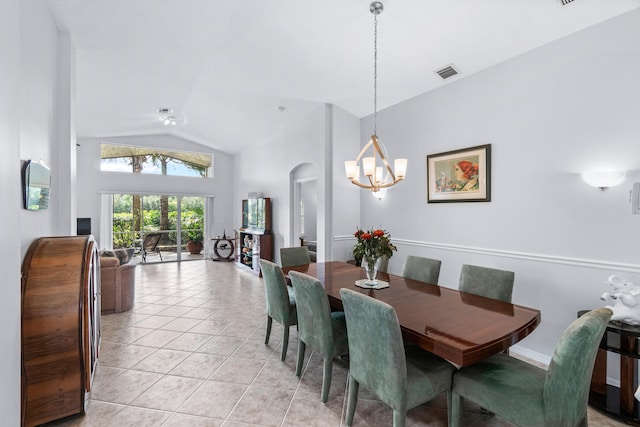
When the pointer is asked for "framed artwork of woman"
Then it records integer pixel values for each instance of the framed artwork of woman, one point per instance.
(460, 176)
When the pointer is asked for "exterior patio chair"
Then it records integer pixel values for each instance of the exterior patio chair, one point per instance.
(150, 245)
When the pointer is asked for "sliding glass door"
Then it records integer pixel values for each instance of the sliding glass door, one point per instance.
(162, 228)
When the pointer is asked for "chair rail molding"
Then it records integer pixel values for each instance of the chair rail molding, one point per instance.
(555, 259)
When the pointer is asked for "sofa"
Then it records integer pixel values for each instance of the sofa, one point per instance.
(117, 281)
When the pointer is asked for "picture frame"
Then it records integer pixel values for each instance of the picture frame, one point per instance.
(460, 175)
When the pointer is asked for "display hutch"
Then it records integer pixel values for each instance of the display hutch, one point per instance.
(254, 240)
(60, 327)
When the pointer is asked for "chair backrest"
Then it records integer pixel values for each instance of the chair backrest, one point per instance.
(294, 256)
(314, 313)
(376, 351)
(487, 282)
(383, 264)
(151, 241)
(422, 269)
(566, 388)
(278, 305)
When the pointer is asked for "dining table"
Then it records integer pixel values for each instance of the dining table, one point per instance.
(461, 327)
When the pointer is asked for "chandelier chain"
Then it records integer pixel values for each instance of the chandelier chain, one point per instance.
(375, 74)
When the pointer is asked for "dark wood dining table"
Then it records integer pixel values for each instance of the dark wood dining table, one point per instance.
(458, 326)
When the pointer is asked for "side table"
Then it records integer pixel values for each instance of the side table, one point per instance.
(619, 402)
(223, 249)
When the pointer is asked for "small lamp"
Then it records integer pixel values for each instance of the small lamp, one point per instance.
(603, 179)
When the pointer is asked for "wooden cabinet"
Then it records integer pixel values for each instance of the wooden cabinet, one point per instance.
(621, 339)
(60, 327)
(252, 246)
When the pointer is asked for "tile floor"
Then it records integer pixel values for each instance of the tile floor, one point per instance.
(192, 353)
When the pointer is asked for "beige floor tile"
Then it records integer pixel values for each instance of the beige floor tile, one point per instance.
(199, 365)
(183, 420)
(126, 387)
(132, 416)
(158, 338)
(307, 410)
(122, 355)
(168, 393)
(181, 324)
(239, 370)
(221, 345)
(188, 342)
(154, 321)
(162, 361)
(214, 399)
(261, 405)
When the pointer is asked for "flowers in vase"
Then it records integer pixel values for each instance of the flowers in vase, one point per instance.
(372, 244)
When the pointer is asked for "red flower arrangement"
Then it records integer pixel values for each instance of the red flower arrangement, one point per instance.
(372, 244)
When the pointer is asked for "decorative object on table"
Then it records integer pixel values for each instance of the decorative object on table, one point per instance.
(370, 246)
(460, 175)
(624, 300)
(367, 284)
(379, 176)
(223, 249)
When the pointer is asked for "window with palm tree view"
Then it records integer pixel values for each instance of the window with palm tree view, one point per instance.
(157, 224)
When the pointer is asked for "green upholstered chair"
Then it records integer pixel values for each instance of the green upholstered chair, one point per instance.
(383, 264)
(318, 327)
(530, 396)
(281, 302)
(294, 256)
(487, 282)
(378, 361)
(422, 269)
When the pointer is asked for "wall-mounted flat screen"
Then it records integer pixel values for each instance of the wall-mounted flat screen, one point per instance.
(36, 184)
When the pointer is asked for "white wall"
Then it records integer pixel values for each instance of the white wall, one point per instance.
(321, 138)
(550, 114)
(38, 127)
(10, 193)
(266, 168)
(92, 182)
(28, 42)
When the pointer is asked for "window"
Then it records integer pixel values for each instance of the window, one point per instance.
(148, 160)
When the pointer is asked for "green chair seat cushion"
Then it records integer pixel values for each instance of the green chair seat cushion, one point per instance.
(499, 376)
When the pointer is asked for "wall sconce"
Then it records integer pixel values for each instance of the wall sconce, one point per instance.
(603, 179)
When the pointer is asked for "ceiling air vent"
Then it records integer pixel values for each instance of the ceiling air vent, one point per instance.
(566, 2)
(448, 71)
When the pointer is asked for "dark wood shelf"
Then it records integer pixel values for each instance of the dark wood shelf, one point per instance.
(619, 402)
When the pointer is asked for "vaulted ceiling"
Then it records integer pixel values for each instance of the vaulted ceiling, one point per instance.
(234, 72)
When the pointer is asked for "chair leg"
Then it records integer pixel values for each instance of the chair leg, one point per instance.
(160, 254)
(399, 418)
(300, 361)
(269, 322)
(326, 378)
(352, 400)
(455, 409)
(285, 342)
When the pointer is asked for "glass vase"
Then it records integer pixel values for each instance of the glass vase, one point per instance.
(370, 265)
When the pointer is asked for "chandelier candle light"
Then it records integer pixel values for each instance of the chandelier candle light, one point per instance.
(379, 173)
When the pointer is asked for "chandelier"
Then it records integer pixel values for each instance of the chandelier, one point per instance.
(376, 168)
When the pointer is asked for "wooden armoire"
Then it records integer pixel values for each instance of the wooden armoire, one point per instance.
(60, 327)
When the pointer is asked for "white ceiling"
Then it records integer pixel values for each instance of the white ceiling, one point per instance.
(226, 66)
